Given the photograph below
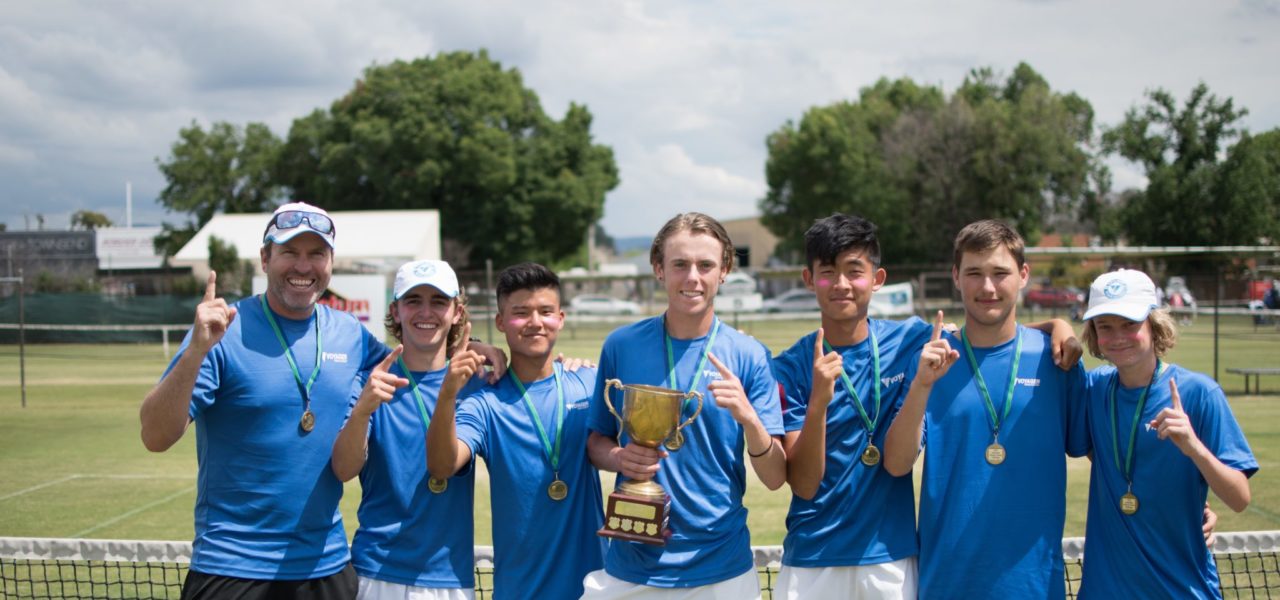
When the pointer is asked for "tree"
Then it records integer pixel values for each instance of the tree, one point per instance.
(1191, 197)
(223, 170)
(459, 134)
(922, 165)
(88, 219)
(234, 275)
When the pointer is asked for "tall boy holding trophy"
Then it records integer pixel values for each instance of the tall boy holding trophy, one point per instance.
(697, 546)
(851, 527)
(531, 429)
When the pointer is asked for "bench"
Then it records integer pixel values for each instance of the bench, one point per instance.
(1257, 373)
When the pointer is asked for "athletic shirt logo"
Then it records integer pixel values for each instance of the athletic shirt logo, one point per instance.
(1115, 289)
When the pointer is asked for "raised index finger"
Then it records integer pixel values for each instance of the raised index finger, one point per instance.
(818, 350)
(1173, 391)
(937, 328)
(386, 363)
(724, 371)
(466, 337)
(211, 288)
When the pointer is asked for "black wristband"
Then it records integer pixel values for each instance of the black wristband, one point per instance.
(766, 450)
(475, 339)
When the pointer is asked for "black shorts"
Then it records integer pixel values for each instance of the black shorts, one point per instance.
(339, 586)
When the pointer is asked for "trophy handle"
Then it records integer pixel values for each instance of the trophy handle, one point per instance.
(692, 394)
(613, 383)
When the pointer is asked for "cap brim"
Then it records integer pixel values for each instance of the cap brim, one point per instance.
(418, 285)
(1133, 312)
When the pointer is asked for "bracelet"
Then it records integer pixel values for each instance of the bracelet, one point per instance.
(475, 340)
(766, 450)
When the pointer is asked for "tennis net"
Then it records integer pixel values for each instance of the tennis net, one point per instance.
(83, 568)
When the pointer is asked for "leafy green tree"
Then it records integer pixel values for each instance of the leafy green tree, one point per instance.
(226, 169)
(921, 165)
(1193, 196)
(235, 276)
(88, 219)
(457, 133)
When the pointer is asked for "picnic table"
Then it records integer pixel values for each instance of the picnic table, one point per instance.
(1256, 373)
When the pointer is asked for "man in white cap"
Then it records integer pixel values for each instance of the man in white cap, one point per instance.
(267, 382)
(403, 548)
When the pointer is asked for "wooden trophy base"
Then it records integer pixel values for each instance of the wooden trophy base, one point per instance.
(637, 519)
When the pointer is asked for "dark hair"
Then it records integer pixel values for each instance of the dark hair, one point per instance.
(986, 235)
(693, 222)
(830, 236)
(526, 276)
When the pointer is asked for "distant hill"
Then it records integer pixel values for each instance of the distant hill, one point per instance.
(625, 245)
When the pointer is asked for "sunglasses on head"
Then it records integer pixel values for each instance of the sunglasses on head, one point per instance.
(290, 219)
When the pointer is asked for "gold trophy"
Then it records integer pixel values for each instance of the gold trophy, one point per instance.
(639, 511)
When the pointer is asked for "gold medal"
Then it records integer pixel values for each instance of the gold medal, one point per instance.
(308, 421)
(1128, 503)
(871, 456)
(558, 490)
(674, 442)
(995, 453)
(437, 485)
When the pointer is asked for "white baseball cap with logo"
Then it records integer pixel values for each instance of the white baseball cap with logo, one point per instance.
(1126, 293)
(295, 218)
(435, 273)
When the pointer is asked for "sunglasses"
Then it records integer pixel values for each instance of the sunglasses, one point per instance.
(290, 219)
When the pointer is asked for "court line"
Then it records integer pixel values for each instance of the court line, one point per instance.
(75, 476)
(144, 507)
(1264, 512)
(38, 487)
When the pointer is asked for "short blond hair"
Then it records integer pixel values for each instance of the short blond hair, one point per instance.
(1164, 334)
(695, 223)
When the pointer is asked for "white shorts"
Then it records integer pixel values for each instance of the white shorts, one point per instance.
(374, 589)
(896, 580)
(599, 585)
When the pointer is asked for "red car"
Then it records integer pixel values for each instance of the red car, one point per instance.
(1049, 297)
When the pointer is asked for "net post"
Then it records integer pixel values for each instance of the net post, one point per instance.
(22, 337)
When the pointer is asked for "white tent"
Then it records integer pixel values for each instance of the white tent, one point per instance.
(368, 241)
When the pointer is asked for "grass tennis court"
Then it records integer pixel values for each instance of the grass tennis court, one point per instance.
(73, 464)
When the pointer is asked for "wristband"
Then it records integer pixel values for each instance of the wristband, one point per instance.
(766, 450)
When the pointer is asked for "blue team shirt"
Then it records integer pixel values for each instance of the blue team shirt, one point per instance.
(542, 547)
(409, 535)
(860, 515)
(266, 499)
(706, 478)
(1158, 551)
(996, 531)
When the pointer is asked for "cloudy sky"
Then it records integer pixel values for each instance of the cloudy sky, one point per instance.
(92, 93)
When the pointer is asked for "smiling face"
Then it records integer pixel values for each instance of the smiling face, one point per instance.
(425, 316)
(1123, 342)
(531, 320)
(989, 283)
(692, 269)
(844, 289)
(298, 272)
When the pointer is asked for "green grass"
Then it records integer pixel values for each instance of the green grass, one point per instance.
(73, 464)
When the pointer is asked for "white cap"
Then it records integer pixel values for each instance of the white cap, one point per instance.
(1125, 293)
(281, 235)
(435, 273)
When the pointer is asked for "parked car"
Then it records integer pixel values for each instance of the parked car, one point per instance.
(795, 300)
(597, 304)
(1052, 297)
